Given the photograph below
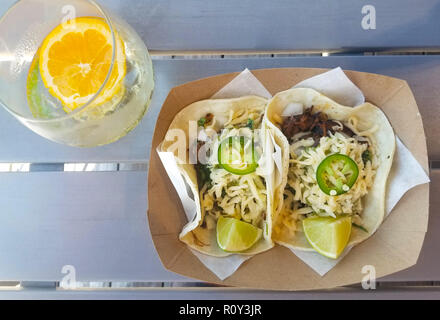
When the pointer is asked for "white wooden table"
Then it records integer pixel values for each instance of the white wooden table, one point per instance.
(96, 220)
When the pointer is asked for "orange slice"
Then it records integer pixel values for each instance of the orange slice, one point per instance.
(75, 59)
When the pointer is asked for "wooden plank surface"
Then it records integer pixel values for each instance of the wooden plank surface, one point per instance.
(232, 294)
(422, 73)
(280, 25)
(94, 221)
(277, 25)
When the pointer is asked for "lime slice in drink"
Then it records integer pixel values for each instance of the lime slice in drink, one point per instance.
(235, 235)
(329, 236)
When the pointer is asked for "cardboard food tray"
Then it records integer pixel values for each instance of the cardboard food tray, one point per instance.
(394, 247)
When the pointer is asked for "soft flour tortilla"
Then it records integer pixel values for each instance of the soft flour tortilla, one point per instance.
(202, 239)
(383, 142)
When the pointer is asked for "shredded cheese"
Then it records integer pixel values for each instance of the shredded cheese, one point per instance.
(239, 196)
(303, 196)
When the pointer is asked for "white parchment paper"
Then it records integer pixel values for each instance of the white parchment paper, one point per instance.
(405, 174)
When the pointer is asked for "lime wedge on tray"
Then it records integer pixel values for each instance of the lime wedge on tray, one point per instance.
(329, 236)
(235, 235)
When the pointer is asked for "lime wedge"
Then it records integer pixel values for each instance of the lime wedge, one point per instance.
(329, 236)
(235, 235)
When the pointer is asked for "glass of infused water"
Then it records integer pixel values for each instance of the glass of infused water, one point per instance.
(73, 72)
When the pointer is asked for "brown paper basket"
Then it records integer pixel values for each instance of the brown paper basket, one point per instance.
(395, 246)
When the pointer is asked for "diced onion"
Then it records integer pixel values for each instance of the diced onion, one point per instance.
(293, 109)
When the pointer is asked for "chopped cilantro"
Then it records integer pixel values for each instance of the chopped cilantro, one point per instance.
(366, 156)
(201, 122)
(359, 227)
(203, 174)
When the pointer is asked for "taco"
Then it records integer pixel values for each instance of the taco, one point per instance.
(336, 160)
(228, 178)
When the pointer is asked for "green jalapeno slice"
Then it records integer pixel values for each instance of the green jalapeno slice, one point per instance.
(237, 155)
(336, 174)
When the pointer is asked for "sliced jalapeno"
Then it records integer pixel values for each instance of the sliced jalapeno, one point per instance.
(237, 155)
(336, 174)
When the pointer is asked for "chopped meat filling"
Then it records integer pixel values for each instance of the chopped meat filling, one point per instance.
(317, 124)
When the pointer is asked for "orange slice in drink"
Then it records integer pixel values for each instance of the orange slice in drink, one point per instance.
(75, 59)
